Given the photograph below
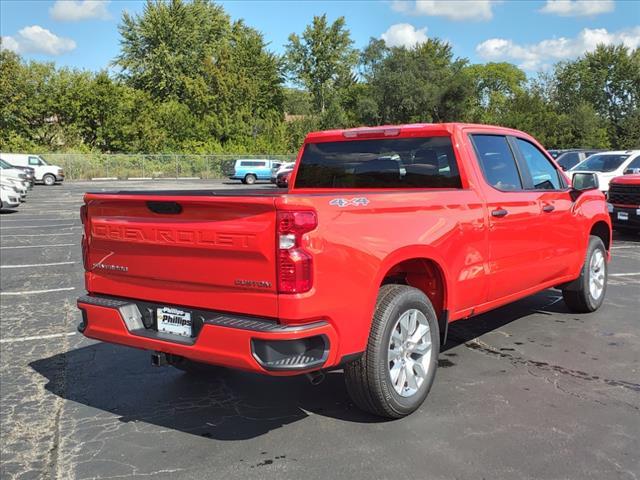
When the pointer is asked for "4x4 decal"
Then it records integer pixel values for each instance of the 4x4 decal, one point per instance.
(354, 202)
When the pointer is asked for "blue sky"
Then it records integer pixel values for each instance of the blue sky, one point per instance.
(532, 34)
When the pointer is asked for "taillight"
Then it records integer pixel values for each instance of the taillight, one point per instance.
(85, 236)
(295, 264)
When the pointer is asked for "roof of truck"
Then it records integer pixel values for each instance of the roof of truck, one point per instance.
(402, 130)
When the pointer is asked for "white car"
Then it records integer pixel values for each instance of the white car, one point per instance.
(45, 173)
(15, 178)
(20, 186)
(9, 198)
(606, 165)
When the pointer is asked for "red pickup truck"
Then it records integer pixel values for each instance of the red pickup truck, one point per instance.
(624, 202)
(385, 236)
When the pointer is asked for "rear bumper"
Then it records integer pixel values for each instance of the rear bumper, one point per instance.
(234, 341)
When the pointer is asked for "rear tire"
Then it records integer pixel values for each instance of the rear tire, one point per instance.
(250, 179)
(49, 180)
(410, 352)
(587, 293)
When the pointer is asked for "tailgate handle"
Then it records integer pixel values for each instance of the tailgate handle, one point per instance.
(168, 208)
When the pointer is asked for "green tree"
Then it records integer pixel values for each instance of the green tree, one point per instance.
(320, 58)
(495, 85)
(297, 102)
(422, 84)
(169, 43)
(609, 80)
(227, 84)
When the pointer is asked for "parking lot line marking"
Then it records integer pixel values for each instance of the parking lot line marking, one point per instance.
(38, 234)
(46, 219)
(624, 274)
(27, 292)
(37, 265)
(39, 246)
(70, 225)
(36, 337)
(59, 212)
(67, 218)
(623, 246)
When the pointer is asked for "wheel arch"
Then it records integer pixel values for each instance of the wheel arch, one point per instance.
(602, 229)
(421, 268)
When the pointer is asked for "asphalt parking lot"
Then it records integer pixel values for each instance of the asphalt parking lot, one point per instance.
(527, 391)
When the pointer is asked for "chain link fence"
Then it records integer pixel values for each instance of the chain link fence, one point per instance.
(141, 166)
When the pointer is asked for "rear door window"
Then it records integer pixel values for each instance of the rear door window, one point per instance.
(424, 162)
(497, 162)
(543, 174)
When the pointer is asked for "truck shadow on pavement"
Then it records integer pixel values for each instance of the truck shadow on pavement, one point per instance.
(223, 404)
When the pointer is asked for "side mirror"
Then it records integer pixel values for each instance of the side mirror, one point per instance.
(584, 181)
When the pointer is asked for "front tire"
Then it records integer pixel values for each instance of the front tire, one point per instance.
(395, 374)
(49, 180)
(587, 293)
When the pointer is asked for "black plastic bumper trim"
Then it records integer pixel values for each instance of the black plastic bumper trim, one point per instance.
(293, 361)
(207, 317)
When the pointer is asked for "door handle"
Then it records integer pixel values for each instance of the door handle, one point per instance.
(548, 208)
(500, 212)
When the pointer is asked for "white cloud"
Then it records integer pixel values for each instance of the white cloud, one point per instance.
(538, 55)
(457, 10)
(77, 10)
(404, 35)
(8, 43)
(35, 39)
(578, 8)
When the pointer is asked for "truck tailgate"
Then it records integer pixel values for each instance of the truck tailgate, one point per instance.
(211, 252)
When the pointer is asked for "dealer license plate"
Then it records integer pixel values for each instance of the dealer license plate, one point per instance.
(623, 215)
(177, 322)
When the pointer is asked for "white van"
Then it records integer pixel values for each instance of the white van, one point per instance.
(45, 173)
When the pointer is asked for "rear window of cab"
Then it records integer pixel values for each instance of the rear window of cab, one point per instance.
(422, 162)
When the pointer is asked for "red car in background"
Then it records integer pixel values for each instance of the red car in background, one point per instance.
(282, 179)
(624, 202)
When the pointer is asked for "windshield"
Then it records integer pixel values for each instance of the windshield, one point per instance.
(4, 164)
(568, 160)
(602, 163)
(379, 163)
